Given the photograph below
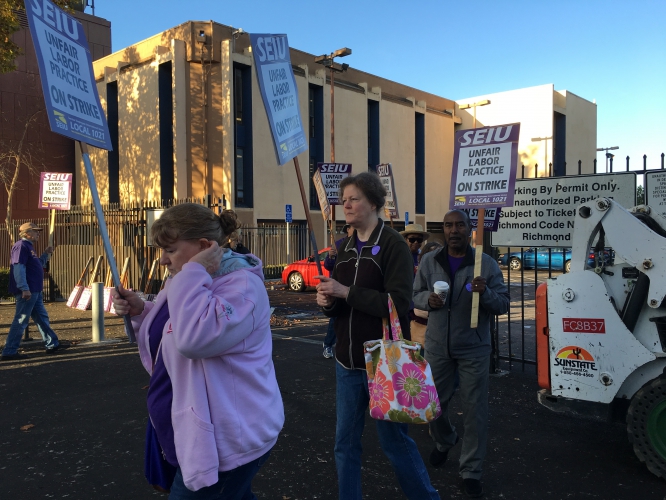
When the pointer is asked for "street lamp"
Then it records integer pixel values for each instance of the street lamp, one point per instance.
(608, 155)
(537, 139)
(327, 61)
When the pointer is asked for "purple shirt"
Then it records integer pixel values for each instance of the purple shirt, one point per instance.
(359, 244)
(454, 263)
(160, 391)
(24, 253)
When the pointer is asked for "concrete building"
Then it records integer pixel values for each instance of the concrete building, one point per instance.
(20, 97)
(187, 120)
(556, 126)
(186, 115)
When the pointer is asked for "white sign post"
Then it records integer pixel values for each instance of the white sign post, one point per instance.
(544, 209)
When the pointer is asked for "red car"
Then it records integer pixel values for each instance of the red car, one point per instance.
(301, 273)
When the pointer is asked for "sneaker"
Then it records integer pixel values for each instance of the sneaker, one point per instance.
(328, 352)
(12, 357)
(473, 488)
(57, 348)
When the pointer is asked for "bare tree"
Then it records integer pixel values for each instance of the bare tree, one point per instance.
(14, 155)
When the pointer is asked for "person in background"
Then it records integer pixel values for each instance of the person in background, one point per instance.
(419, 317)
(234, 242)
(451, 344)
(372, 264)
(329, 264)
(26, 283)
(414, 236)
(214, 402)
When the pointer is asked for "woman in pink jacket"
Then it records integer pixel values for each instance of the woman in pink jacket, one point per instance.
(214, 403)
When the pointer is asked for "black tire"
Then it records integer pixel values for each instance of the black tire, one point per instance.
(515, 264)
(646, 425)
(296, 282)
(567, 266)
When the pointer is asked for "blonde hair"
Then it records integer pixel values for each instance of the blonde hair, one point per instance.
(191, 221)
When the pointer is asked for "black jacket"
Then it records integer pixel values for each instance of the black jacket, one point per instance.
(384, 266)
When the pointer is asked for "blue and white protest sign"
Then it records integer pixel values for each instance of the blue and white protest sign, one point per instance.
(278, 90)
(65, 68)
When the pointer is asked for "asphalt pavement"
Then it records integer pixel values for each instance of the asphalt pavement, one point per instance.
(73, 426)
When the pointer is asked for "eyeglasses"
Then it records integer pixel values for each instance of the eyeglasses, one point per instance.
(414, 240)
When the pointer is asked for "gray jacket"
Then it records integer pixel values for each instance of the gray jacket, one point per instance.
(448, 333)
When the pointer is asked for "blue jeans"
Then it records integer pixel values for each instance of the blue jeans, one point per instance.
(25, 309)
(329, 340)
(352, 398)
(235, 484)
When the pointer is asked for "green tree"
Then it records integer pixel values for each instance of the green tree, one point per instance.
(9, 24)
(640, 196)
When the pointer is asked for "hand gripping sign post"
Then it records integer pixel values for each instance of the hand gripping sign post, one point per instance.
(280, 95)
(484, 173)
(71, 97)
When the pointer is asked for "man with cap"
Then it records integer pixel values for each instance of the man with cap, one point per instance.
(26, 282)
(414, 236)
(329, 264)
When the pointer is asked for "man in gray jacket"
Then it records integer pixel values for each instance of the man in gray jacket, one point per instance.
(452, 345)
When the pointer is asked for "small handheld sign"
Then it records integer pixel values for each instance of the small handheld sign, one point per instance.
(321, 194)
(331, 176)
(385, 173)
(55, 190)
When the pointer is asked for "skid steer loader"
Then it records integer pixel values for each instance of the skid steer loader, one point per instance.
(601, 332)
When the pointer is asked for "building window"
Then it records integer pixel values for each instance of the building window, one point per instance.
(165, 109)
(419, 162)
(316, 135)
(243, 188)
(373, 135)
(559, 145)
(113, 156)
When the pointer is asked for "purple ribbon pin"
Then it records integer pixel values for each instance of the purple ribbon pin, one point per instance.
(375, 250)
(469, 287)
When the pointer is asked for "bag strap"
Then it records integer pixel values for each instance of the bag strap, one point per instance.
(394, 322)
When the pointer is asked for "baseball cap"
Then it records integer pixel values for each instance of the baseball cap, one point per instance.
(29, 225)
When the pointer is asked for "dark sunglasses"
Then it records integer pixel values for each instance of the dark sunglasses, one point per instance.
(414, 240)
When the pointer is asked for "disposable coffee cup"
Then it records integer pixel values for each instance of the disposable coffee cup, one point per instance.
(441, 288)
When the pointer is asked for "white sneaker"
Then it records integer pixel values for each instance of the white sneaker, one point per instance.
(328, 352)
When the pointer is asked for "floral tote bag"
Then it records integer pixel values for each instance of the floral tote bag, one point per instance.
(399, 378)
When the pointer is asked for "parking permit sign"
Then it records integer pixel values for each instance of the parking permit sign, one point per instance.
(65, 68)
(484, 167)
(279, 93)
(331, 176)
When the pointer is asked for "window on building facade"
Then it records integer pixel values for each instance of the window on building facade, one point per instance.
(419, 162)
(373, 135)
(560, 145)
(243, 175)
(165, 109)
(113, 156)
(316, 135)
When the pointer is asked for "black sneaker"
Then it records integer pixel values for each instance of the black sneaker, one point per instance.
(12, 357)
(438, 458)
(57, 348)
(473, 488)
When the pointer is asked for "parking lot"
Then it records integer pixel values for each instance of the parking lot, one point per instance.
(73, 426)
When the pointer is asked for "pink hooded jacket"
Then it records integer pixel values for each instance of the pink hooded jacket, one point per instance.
(217, 348)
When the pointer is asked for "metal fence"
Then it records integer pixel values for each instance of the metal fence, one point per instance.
(77, 239)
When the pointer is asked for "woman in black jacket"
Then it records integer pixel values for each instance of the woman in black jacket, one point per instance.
(372, 264)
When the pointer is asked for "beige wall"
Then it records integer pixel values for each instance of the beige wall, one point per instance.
(534, 108)
(581, 135)
(438, 163)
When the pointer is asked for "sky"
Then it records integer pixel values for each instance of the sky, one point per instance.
(613, 52)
